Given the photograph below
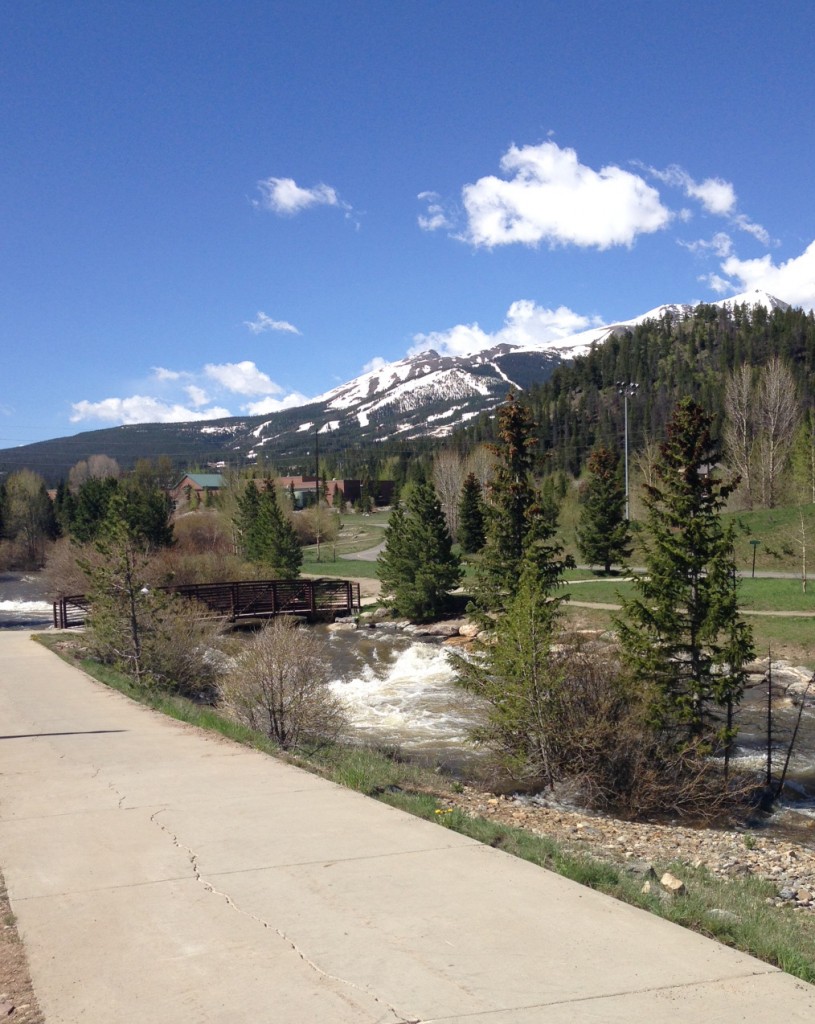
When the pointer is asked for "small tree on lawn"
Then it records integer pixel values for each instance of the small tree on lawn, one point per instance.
(417, 568)
(471, 514)
(682, 636)
(119, 599)
(603, 534)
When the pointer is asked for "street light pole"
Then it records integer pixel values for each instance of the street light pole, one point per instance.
(625, 391)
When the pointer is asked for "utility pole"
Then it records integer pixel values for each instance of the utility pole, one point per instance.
(317, 465)
(625, 390)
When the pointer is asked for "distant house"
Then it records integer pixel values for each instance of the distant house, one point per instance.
(333, 492)
(202, 485)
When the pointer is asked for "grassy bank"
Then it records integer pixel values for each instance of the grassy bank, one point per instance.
(779, 936)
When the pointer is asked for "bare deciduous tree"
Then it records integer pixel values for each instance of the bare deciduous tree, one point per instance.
(779, 415)
(481, 461)
(739, 428)
(448, 479)
(94, 467)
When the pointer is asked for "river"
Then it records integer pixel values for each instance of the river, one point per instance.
(400, 693)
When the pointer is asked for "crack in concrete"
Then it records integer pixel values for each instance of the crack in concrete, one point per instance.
(399, 1018)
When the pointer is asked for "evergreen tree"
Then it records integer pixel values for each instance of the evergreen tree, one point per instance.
(274, 541)
(521, 684)
(520, 521)
(603, 533)
(148, 511)
(471, 513)
(247, 512)
(64, 507)
(682, 636)
(91, 505)
(417, 567)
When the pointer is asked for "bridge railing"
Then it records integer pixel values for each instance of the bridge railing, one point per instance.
(244, 599)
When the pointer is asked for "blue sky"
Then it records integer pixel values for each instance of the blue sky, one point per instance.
(211, 209)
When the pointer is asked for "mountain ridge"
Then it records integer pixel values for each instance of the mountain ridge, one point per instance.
(426, 395)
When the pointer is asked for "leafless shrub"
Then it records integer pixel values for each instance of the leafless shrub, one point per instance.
(171, 567)
(278, 686)
(182, 648)
(63, 574)
(202, 532)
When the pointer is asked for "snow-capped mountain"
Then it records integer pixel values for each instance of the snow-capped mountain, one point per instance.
(427, 395)
(431, 394)
(580, 344)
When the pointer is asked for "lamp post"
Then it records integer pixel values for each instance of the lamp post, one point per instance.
(626, 389)
(755, 544)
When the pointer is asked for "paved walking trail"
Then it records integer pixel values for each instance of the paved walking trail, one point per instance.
(161, 874)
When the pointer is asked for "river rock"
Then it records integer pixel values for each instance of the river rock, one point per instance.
(445, 629)
(672, 885)
(469, 629)
(641, 869)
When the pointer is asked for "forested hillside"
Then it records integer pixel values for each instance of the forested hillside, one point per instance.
(582, 403)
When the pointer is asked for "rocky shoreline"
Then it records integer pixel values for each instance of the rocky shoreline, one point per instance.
(789, 866)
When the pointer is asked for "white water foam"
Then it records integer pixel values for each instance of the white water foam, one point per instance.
(37, 608)
(411, 701)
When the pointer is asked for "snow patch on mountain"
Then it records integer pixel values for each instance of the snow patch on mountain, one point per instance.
(429, 393)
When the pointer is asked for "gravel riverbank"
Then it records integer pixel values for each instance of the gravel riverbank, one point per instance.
(788, 865)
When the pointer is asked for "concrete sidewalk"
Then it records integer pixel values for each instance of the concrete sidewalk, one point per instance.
(159, 874)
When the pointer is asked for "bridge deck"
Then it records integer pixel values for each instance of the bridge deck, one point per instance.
(244, 599)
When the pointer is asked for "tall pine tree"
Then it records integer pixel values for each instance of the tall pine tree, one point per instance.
(682, 636)
(521, 523)
(267, 536)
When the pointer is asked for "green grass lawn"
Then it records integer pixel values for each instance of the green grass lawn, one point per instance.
(778, 532)
(344, 568)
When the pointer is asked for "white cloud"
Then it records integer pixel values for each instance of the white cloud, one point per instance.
(162, 374)
(267, 405)
(286, 197)
(716, 195)
(756, 230)
(792, 281)
(242, 378)
(525, 324)
(196, 395)
(718, 284)
(436, 216)
(262, 323)
(374, 364)
(551, 197)
(720, 245)
(184, 395)
(141, 409)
